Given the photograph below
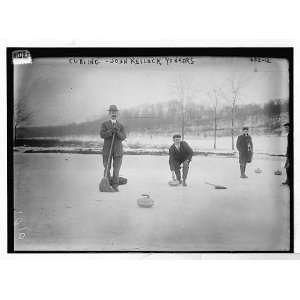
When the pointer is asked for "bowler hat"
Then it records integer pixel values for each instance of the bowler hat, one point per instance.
(113, 108)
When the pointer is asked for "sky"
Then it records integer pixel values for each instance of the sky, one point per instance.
(68, 90)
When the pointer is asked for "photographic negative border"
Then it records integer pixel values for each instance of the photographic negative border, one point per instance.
(41, 52)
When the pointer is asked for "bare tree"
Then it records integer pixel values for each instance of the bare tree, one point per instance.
(236, 83)
(184, 90)
(22, 114)
(214, 97)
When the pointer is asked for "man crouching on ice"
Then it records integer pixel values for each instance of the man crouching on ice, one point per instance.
(180, 153)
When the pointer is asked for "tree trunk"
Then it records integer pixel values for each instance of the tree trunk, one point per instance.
(182, 120)
(215, 137)
(182, 126)
(232, 129)
(15, 135)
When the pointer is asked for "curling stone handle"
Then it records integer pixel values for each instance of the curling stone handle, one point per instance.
(145, 195)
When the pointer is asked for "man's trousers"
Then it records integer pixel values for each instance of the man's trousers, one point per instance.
(116, 162)
(185, 169)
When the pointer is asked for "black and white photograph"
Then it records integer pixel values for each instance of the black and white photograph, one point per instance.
(150, 150)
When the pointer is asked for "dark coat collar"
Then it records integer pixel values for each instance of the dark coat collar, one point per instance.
(179, 146)
(110, 124)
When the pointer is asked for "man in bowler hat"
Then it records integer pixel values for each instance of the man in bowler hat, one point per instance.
(287, 163)
(245, 147)
(180, 153)
(108, 128)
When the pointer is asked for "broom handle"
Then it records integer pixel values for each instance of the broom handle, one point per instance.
(109, 155)
(210, 183)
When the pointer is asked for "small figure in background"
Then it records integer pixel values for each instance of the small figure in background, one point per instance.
(245, 147)
(287, 162)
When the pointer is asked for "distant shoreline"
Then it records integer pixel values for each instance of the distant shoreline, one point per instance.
(155, 152)
(140, 146)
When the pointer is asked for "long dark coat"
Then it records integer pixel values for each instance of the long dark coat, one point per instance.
(287, 163)
(106, 132)
(245, 147)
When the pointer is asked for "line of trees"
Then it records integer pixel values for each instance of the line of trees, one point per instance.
(171, 116)
(23, 114)
(184, 113)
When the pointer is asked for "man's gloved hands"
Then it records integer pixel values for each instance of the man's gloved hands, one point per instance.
(116, 128)
(112, 131)
(187, 161)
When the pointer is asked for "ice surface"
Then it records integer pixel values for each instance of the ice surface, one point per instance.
(62, 208)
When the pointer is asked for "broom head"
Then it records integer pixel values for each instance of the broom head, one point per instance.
(217, 187)
(220, 187)
(104, 186)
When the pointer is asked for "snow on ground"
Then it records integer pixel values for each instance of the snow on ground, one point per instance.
(262, 144)
(58, 206)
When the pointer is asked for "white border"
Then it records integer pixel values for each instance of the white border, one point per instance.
(160, 23)
(254, 43)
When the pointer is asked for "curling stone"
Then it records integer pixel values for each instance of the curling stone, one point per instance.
(258, 170)
(145, 201)
(277, 172)
(173, 183)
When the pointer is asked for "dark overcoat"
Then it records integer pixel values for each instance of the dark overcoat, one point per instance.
(106, 132)
(287, 163)
(288, 146)
(179, 156)
(245, 147)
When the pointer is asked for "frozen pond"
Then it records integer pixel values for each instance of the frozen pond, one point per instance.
(58, 206)
(267, 144)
